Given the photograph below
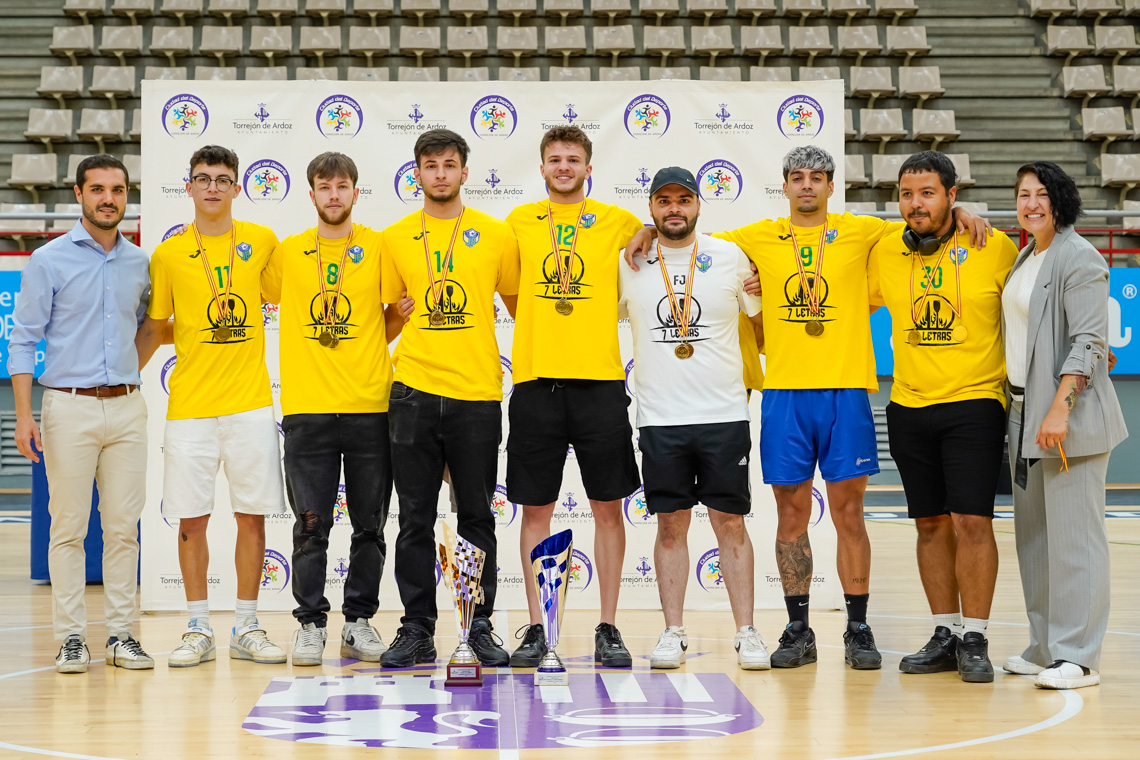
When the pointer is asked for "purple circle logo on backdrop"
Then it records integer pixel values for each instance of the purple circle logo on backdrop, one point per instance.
(719, 181)
(339, 116)
(164, 374)
(170, 232)
(819, 502)
(408, 188)
(340, 507)
(647, 116)
(508, 377)
(629, 379)
(503, 508)
(636, 510)
(581, 570)
(800, 116)
(493, 116)
(708, 571)
(266, 182)
(185, 115)
(275, 571)
(162, 514)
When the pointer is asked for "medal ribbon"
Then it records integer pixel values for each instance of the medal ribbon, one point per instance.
(219, 301)
(328, 317)
(915, 313)
(436, 294)
(680, 314)
(563, 276)
(813, 293)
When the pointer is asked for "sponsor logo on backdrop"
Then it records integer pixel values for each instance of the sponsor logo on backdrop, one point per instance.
(581, 570)
(629, 385)
(508, 378)
(636, 509)
(185, 115)
(719, 181)
(176, 580)
(647, 116)
(819, 505)
(503, 508)
(708, 571)
(274, 571)
(164, 374)
(414, 122)
(408, 188)
(340, 507)
(571, 117)
(162, 513)
(176, 188)
(271, 316)
(493, 116)
(170, 232)
(495, 184)
(266, 182)
(644, 567)
(722, 122)
(637, 186)
(339, 116)
(262, 121)
(800, 116)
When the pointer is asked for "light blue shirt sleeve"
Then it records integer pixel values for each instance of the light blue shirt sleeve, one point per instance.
(30, 316)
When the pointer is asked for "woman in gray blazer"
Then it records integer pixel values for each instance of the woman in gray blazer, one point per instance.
(1064, 420)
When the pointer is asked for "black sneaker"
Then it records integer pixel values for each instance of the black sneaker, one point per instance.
(609, 649)
(489, 651)
(940, 655)
(797, 647)
(412, 645)
(859, 648)
(974, 659)
(532, 648)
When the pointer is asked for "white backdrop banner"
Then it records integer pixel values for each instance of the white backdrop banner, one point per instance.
(732, 135)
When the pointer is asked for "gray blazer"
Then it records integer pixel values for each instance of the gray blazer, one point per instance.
(1068, 335)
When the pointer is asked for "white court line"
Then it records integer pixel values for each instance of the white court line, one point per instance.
(52, 752)
(623, 687)
(689, 687)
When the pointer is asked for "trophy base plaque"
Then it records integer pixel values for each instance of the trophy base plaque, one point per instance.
(462, 674)
(551, 671)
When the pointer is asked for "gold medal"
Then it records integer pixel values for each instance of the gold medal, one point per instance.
(334, 342)
(680, 312)
(437, 319)
(328, 319)
(814, 328)
(221, 331)
(811, 287)
(959, 334)
(564, 270)
(221, 334)
(563, 306)
(913, 337)
(918, 305)
(683, 350)
(326, 338)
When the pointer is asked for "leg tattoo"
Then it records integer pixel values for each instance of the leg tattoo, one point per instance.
(794, 560)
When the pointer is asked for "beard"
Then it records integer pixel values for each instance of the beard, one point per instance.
(577, 186)
(450, 195)
(346, 212)
(932, 223)
(89, 213)
(674, 234)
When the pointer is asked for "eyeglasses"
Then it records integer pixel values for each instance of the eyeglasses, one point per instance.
(202, 182)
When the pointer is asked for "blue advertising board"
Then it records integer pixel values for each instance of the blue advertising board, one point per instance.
(1123, 325)
(9, 287)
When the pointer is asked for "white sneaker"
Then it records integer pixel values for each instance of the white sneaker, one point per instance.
(73, 656)
(309, 644)
(128, 653)
(197, 647)
(1021, 666)
(670, 649)
(360, 641)
(1066, 675)
(751, 654)
(250, 642)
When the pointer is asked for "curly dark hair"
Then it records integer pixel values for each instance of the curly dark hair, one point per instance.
(215, 155)
(436, 142)
(1064, 198)
(564, 133)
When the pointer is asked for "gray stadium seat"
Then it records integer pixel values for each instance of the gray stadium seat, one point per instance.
(1135, 123)
(467, 41)
(72, 41)
(1131, 8)
(850, 9)
(181, 9)
(21, 230)
(770, 74)
(871, 82)
(810, 41)
(720, 73)
(133, 9)
(221, 41)
(659, 9)
(1104, 124)
(325, 9)
(469, 74)
(133, 164)
(568, 74)
(565, 41)
(516, 9)
(369, 41)
(896, 9)
(266, 73)
(1130, 222)
(906, 40)
(135, 132)
(614, 40)
(73, 162)
(102, 126)
(1098, 8)
(563, 9)
(113, 82)
(469, 10)
(1117, 170)
(215, 73)
(1126, 82)
(1117, 41)
(65, 225)
(712, 41)
(962, 169)
(518, 41)
(855, 170)
(860, 207)
(663, 41)
(373, 9)
(84, 9)
(271, 41)
(819, 73)
(936, 126)
(1069, 41)
(803, 9)
(171, 41)
(320, 41)
(367, 74)
(762, 41)
(1054, 9)
(61, 82)
(922, 82)
(882, 124)
(167, 73)
(976, 206)
(885, 170)
(754, 9)
(848, 124)
(1085, 81)
(611, 9)
(420, 41)
(316, 73)
(230, 9)
(121, 41)
(706, 9)
(128, 226)
(516, 74)
(669, 72)
(859, 41)
(417, 74)
(619, 74)
(277, 9)
(49, 125)
(33, 171)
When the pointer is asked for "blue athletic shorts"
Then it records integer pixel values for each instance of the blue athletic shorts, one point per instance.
(800, 427)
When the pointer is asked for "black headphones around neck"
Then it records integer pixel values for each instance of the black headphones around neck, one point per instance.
(924, 244)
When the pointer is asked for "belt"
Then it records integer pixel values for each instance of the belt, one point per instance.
(1019, 392)
(102, 391)
(1021, 465)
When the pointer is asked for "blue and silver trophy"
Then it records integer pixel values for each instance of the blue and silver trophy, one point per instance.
(551, 561)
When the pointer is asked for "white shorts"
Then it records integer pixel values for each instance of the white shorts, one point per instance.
(246, 444)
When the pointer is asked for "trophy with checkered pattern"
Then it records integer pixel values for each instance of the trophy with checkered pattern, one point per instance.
(550, 561)
(462, 563)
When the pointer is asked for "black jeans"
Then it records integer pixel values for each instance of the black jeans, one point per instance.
(315, 446)
(428, 432)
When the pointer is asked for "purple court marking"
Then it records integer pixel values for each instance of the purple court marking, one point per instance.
(609, 708)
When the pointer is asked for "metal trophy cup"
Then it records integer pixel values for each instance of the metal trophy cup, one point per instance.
(462, 563)
(550, 561)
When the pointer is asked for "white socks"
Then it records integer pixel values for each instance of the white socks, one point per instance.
(974, 625)
(245, 612)
(199, 612)
(952, 620)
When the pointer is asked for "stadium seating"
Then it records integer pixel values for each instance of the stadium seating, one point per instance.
(49, 125)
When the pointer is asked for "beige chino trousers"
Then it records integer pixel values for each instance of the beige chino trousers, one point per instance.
(104, 439)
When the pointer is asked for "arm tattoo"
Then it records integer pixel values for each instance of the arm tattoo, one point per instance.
(794, 560)
(1075, 388)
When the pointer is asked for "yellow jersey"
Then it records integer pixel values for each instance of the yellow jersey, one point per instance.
(211, 377)
(355, 377)
(945, 365)
(842, 355)
(750, 350)
(582, 345)
(460, 358)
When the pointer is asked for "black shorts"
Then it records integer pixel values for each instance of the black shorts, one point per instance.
(549, 416)
(949, 455)
(686, 464)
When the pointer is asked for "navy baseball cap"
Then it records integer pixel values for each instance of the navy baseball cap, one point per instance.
(673, 175)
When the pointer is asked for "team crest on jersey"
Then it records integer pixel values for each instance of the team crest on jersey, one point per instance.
(704, 261)
(356, 254)
(244, 251)
(958, 255)
(832, 235)
(471, 237)
(588, 220)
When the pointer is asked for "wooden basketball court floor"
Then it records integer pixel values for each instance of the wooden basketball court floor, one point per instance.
(345, 709)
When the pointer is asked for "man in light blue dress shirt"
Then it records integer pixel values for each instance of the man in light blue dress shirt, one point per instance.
(85, 294)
